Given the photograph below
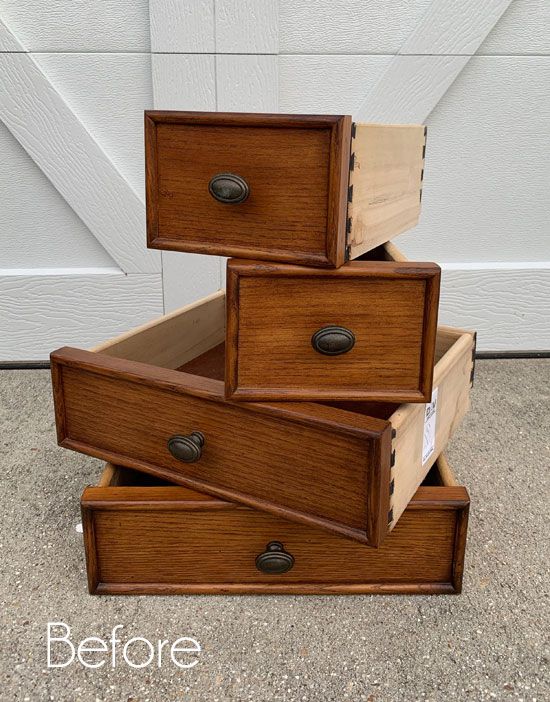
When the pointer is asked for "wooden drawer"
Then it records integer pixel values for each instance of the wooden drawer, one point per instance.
(146, 539)
(333, 465)
(363, 332)
(302, 202)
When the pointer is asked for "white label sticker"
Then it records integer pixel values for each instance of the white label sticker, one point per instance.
(430, 421)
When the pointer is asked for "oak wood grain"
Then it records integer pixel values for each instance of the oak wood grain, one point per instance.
(273, 310)
(161, 540)
(311, 201)
(125, 412)
(296, 169)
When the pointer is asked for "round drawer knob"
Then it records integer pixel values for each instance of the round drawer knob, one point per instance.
(332, 341)
(274, 560)
(186, 448)
(228, 188)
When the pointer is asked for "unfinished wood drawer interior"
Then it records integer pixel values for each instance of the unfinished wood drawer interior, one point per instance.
(336, 467)
(363, 332)
(307, 189)
(143, 537)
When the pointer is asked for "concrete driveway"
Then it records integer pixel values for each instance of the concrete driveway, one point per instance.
(490, 643)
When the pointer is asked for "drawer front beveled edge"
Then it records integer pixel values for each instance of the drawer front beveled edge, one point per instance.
(338, 168)
(429, 272)
(440, 498)
(376, 435)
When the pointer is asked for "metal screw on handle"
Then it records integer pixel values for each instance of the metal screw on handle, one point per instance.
(186, 448)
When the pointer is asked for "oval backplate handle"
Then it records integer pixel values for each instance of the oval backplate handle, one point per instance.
(333, 341)
(274, 560)
(228, 188)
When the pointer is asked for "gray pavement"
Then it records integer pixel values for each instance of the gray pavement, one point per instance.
(490, 643)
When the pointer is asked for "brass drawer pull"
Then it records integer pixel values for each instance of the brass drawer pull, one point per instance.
(228, 188)
(274, 560)
(332, 341)
(186, 448)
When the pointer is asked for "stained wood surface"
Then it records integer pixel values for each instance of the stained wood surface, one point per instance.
(183, 81)
(147, 405)
(202, 80)
(296, 167)
(298, 170)
(169, 539)
(114, 405)
(274, 310)
(210, 364)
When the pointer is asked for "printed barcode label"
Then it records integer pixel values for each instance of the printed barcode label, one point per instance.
(430, 421)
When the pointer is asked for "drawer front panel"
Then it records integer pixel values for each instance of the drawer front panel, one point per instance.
(274, 321)
(289, 176)
(166, 547)
(246, 455)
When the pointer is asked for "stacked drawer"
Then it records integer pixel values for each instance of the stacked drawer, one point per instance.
(287, 435)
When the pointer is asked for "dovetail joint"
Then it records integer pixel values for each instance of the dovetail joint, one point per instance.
(472, 373)
(353, 130)
(390, 516)
(348, 225)
(350, 193)
(352, 161)
(392, 460)
(392, 486)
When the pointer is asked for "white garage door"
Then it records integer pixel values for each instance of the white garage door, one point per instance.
(76, 77)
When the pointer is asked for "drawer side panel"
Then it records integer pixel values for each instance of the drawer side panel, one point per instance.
(387, 183)
(452, 381)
